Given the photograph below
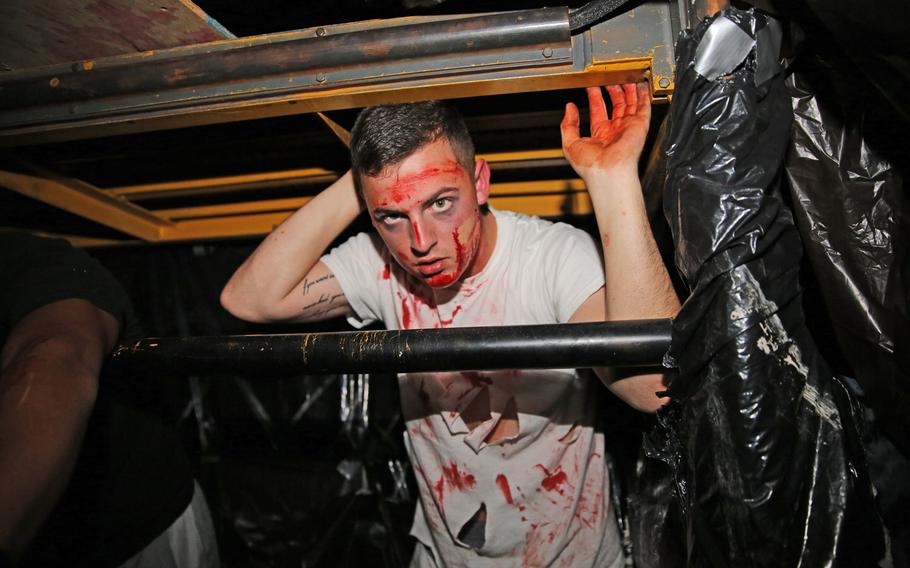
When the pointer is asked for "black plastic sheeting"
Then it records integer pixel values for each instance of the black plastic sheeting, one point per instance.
(761, 439)
(850, 206)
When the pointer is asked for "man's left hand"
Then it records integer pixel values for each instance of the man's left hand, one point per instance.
(616, 142)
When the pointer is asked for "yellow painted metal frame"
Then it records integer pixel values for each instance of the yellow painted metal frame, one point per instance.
(112, 207)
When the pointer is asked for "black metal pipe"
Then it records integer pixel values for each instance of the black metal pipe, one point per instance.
(177, 68)
(614, 344)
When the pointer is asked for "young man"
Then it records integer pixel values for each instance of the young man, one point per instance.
(509, 464)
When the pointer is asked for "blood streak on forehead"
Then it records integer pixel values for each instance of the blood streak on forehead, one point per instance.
(404, 186)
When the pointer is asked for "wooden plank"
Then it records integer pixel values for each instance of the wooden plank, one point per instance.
(336, 129)
(44, 32)
(75, 240)
(282, 178)
(89, 202)
(225, 184)
(228, 209)
(551, 198)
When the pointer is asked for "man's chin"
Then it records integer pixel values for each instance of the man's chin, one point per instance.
(441, 280)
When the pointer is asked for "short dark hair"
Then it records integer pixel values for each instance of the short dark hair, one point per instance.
(384, 135)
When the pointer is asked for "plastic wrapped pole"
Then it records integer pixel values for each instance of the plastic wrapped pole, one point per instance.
(760, 436)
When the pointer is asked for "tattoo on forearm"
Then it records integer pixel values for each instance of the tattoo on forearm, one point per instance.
(323, 299)
(307, 284)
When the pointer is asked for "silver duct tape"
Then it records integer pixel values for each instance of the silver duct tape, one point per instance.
(767, 50)
(722, 49)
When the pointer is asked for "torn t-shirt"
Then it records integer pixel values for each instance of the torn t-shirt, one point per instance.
(545, 491)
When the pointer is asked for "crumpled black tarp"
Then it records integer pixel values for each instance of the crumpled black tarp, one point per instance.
(763, 440)
(850, 208)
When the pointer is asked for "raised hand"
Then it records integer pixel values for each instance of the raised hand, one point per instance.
(615, 143)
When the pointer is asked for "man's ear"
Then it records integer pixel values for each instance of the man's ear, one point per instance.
(482, 180)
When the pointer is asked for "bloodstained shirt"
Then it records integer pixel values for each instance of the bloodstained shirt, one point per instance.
(544, 490)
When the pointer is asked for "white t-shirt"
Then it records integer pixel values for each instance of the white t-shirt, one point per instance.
(546, 490)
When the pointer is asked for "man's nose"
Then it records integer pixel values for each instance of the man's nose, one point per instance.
(421, 237)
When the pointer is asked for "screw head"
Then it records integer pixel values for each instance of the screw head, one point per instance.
(320, 77)
(547, 52)
(320, 32)
(54, 82)
(664, 82)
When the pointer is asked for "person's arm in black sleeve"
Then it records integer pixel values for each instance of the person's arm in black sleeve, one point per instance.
(48, 383)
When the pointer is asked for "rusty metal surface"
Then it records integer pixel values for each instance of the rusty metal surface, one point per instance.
(334, 67)
(316, 59)
(649, 31)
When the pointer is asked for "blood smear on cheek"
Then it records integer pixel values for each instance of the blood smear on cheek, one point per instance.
(459, 251)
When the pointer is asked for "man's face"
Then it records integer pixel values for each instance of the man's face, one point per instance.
(427, 211)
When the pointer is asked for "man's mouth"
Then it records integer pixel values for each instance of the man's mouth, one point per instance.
(431, 267)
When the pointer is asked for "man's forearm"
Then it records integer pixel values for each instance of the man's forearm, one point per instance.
(259, 288)
(637, 283)
(45, 404)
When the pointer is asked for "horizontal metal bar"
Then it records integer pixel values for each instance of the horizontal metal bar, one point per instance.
(613, 344)
(315, 61)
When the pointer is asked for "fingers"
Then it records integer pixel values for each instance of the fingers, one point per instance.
(597, 106)
(569, 126)
(644, 99)
(630, 91)
(618, 100)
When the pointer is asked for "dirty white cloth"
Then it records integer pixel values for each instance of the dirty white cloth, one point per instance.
(188, 543)
(546, 490)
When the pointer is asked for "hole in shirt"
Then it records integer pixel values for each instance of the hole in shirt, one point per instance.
(507, 427)
(473, 533)
(572, 434)
(478, 411)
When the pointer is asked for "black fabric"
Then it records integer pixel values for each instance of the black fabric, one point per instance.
(132, 478)
(762, 440)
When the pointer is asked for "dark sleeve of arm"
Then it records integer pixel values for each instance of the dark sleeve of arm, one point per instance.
(58, 312)
(40, 271)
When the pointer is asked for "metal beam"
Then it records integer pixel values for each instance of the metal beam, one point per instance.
(259, 69)
(89, 202)
(333, 67)
(615, 344)
(225, 184)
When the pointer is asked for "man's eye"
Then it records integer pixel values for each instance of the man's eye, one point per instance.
(390, 219)
(442, 204)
